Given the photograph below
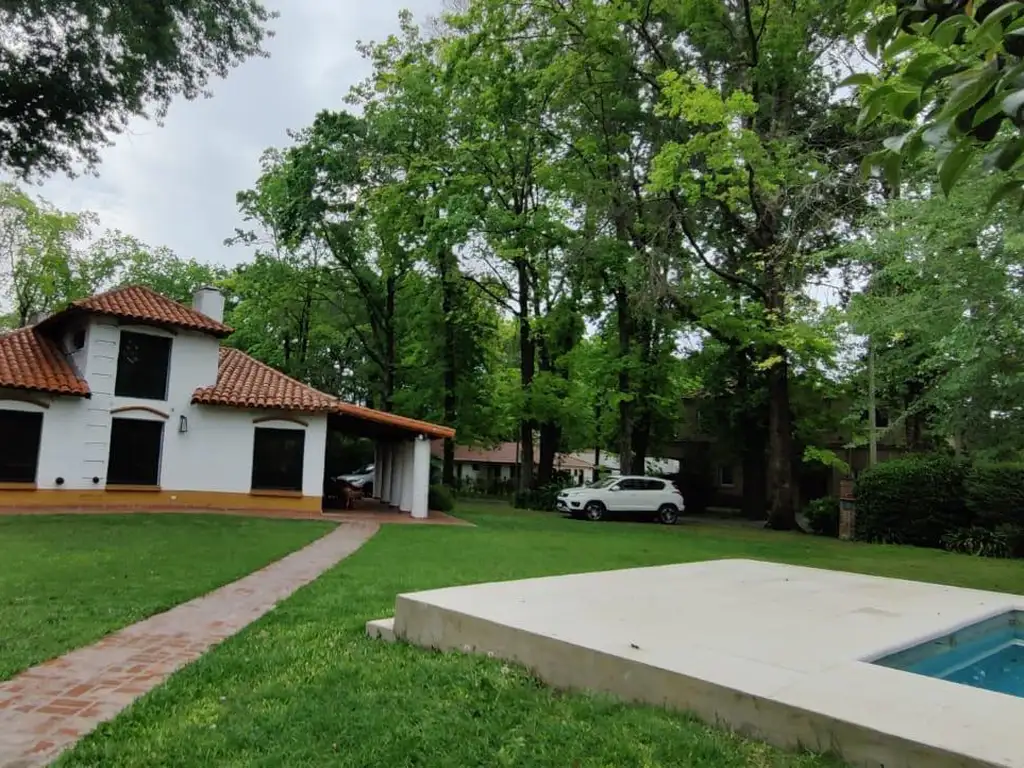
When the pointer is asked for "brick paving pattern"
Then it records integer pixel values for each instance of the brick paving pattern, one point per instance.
(47, 708)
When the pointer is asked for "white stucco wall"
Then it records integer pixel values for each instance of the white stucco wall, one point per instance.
(215, 454)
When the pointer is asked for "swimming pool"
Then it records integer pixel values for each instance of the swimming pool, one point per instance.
(989, 655)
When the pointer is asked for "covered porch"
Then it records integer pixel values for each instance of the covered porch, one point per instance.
(401, 466)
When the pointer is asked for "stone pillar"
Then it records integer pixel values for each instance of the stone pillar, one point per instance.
(397, 467)
(378, 468)
(421, 477)
(386, 462)
(847, 510)
(408, 470)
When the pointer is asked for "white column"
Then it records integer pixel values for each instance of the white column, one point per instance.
(378, 468)
(397, 465)
(385, 472)
(408, 466)
(420, 477)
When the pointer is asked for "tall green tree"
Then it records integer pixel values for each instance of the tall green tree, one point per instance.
(501, 91)
(73, 72)
(44, 259)
(765, 178)
(943, 306)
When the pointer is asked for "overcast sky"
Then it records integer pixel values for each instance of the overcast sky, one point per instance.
(175, 184)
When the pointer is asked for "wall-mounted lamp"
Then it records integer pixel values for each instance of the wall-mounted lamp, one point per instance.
(183, 424)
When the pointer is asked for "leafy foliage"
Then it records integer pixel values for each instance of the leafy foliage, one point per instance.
(955, 76)
(943, 308)
(916, 500)
(73, 73)
(995, 494)
(823, 516)
(979, 541)
(441, 498)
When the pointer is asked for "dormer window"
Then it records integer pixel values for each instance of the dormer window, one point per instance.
(143, 362)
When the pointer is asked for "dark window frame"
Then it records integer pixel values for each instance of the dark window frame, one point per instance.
(14, 468)
(144, 382)
(132, 464)
(724, 469)
(281, 478)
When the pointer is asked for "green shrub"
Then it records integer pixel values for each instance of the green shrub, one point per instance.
(823, 516)
(916, 500)
(1014, 538)
(979, 541)
(541, 499)
(441, 499)
(995, 494)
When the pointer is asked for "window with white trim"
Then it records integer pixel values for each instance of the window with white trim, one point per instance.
(20, 436)
(277, 459)
(134, 453)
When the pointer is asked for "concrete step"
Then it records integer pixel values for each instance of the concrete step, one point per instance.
(381, 629)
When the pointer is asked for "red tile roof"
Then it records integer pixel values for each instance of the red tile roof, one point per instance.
(503, 453)
(28, 360)
(136, 302)
(392, 419)
(244, 382)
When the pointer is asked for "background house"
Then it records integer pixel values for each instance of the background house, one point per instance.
(496, 470)
(608, 464)
(711, 462)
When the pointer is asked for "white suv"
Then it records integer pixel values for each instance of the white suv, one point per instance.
(629, 495)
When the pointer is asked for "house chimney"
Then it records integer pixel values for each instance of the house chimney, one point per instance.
(210, 302)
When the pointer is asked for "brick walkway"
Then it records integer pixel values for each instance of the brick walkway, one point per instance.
(47, 708)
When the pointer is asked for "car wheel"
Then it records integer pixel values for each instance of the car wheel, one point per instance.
(668, 514)
(594, 511)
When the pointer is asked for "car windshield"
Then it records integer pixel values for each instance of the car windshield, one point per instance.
(603, 483)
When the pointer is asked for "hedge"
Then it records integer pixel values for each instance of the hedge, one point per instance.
(440, 498)
(939, 501)
(995, 494)
(915, 500)
(823, 516)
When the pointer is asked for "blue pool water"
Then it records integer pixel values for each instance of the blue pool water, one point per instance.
(987, 655)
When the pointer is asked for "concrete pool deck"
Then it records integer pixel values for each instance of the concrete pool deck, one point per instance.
(774, 651)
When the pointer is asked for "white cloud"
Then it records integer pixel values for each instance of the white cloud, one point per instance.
(175, 184)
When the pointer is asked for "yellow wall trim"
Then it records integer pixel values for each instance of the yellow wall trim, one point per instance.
(153, 499)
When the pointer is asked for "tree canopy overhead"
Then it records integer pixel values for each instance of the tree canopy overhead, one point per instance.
(73, 72)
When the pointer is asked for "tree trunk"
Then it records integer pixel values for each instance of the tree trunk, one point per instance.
(550, 435)
(390, 354)
(447, 311)
(780, 446)
(449, 461)
(751, 425)
(641, 443)
(527, 351)
(625, 396)
(755, 480)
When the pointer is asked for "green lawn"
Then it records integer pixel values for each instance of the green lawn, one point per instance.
(66, 581)
(304, 687)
